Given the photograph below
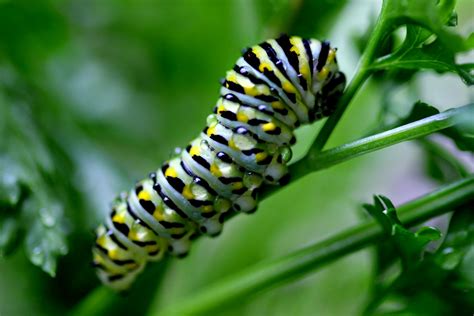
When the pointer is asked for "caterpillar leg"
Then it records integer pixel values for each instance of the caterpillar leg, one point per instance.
(277, 170)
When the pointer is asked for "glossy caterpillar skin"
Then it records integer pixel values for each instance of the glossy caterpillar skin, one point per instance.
(273, 88)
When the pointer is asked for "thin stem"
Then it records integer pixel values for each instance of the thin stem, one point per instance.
(304, 261)
(391, 137)
(362, 73)
(337, 155)
(95, 303)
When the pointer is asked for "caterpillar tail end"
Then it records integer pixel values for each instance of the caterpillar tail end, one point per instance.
(117, 274)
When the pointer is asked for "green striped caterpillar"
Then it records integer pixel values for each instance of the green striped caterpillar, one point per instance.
(273, 88)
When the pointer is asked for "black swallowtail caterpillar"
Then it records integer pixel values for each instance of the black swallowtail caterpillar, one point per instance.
(273, 88)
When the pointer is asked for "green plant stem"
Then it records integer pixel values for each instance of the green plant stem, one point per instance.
(337, 155)
(95, 303)
(362, 73)
(385, 139)
(104, 301)
(295, 265)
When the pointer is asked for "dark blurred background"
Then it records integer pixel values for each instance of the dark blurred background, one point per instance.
(95, 94)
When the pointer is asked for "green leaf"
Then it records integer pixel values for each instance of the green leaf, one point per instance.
(449, 271)
(429, 42)
(424, 12)
(419, 111)
(45, 240)
(466, 272)
(11, 197)
(457, 256)
(385, 257)
(453, 20)
(432, 15)
(459, 240)
(463, 132)
(10, 235)
(410, 246)
(10, 187)
(29, 186)
(435, 56)
(440, 163)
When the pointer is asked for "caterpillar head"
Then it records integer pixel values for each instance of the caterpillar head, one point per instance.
(328, 81)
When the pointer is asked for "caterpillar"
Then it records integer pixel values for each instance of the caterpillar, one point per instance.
(273, 88)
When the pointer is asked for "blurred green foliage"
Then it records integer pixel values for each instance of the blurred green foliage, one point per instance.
(437, 283)
(93, 95)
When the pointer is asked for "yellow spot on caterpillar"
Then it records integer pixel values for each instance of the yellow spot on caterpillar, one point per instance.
(268, 127)
(250, 90)
(208, 208)
(231, 77)
(144, 195)
(131, 266)
(261, 156)
(278, 105)
(211, 130)
(132, 235)
(264, 65)
(305, 72)
(119, 218)
(113, 254)
(195, 150)
(215, 170)
(237, 185)
(288, 87)
(220, 108)
(323, 73)
(294, 48)
(258, 51)
(242, 117)
(331, 55)
(232, 144)
(97, 258)
(158, 213)
(170, 172)
(102, 241)
(187, 193)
